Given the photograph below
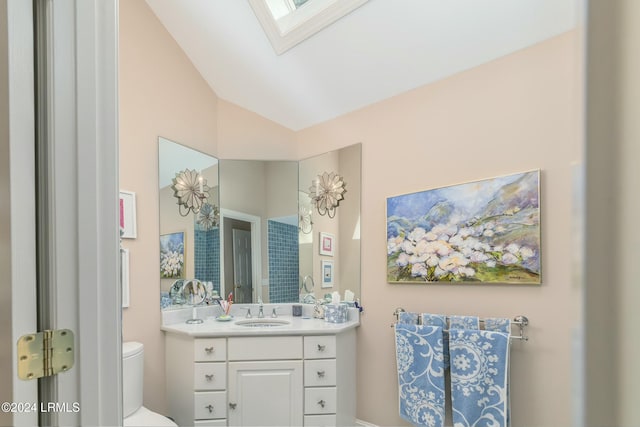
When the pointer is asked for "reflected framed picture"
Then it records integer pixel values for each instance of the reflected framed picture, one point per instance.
(128, 214)
(327, 273)
(172, 256)
(326, 242)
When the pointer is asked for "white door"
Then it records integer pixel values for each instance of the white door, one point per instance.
(265, 393)
(242, 274)
(17, 209)
(76, 179)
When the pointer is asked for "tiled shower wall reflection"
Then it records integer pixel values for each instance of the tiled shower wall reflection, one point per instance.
(283, 262)
(207, 256)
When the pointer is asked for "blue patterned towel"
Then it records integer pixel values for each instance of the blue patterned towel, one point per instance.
(499, 324)
(420, 374)
(434, 320)
(408, 318)
(464, 322)
(479, 377)
(439, 320)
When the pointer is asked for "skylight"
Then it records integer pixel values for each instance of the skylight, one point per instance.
(289, 22)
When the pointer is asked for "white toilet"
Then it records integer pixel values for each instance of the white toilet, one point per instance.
(132, 373)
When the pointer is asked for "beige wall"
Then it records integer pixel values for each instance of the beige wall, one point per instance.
(246, 135)
(161, 94)
(514, 114)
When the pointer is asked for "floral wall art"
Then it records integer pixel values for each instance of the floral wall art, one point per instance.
(172, 256)
(483, 231)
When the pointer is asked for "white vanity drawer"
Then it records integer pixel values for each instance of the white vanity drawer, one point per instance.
(210, 404)
(320, 420)
(211, 423)
(320, 347)
(265, 348)
(210, 376)
(320, 372)
(319, 400)
(210, 350)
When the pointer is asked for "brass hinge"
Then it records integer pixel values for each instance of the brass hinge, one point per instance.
(44, 354)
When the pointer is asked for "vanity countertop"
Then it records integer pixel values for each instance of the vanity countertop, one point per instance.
(298, 326)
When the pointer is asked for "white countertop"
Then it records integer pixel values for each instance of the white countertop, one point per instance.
(297, 326)
(174, 322)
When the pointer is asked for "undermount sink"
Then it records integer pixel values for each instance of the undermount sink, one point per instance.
(262, 323)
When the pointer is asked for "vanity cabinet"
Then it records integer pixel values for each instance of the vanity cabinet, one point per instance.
(197, 377)
(265, 381)
(329, 379)
(262, 380)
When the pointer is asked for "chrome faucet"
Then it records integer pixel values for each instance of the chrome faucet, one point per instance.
(260, 308)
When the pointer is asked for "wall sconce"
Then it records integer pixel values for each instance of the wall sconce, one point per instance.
(191, 190)
(326, 192)
(305, 224)
(209, 217)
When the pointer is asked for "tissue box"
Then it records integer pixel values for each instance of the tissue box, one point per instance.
(335, 313)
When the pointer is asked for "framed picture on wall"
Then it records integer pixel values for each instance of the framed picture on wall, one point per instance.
(484, 231)
(327, 273)
(172, 256)
(124, 276)
(128, 214)
(326, 242)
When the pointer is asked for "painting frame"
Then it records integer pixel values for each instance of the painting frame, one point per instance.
(127, 209)
(173, 255)
(486, 231)
(328, 272)
(326, 243)
(124, 276)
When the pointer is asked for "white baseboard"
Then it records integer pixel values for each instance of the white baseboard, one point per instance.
(364, 423)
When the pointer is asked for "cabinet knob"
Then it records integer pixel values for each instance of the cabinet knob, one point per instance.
(209, 350)
(210, 408)
(321, 347)
(232, 405)
(320, 374)
(322, 403)
(209, 377)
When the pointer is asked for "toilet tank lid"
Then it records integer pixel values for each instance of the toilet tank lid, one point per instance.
(131, 348)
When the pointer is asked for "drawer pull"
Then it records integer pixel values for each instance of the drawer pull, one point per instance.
(209, 377)
(209, 350)
(210, 408)
(322, 403)
(232, 405)
(320, 374)
(321, 347)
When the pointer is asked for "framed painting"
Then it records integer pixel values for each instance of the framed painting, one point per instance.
(128, 215)
(484, 231)
(326, 243)
(172, 256)
(327, 273)
(124, 276)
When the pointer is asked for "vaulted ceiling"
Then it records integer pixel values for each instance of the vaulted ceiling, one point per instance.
(382, 49)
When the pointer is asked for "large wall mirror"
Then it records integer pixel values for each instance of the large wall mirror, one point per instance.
(189, 222)
(257, 234)
(330, 244)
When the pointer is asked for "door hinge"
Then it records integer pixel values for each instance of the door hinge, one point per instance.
(44, 354)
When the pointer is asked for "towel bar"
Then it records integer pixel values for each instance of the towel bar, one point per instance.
(520, 321)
